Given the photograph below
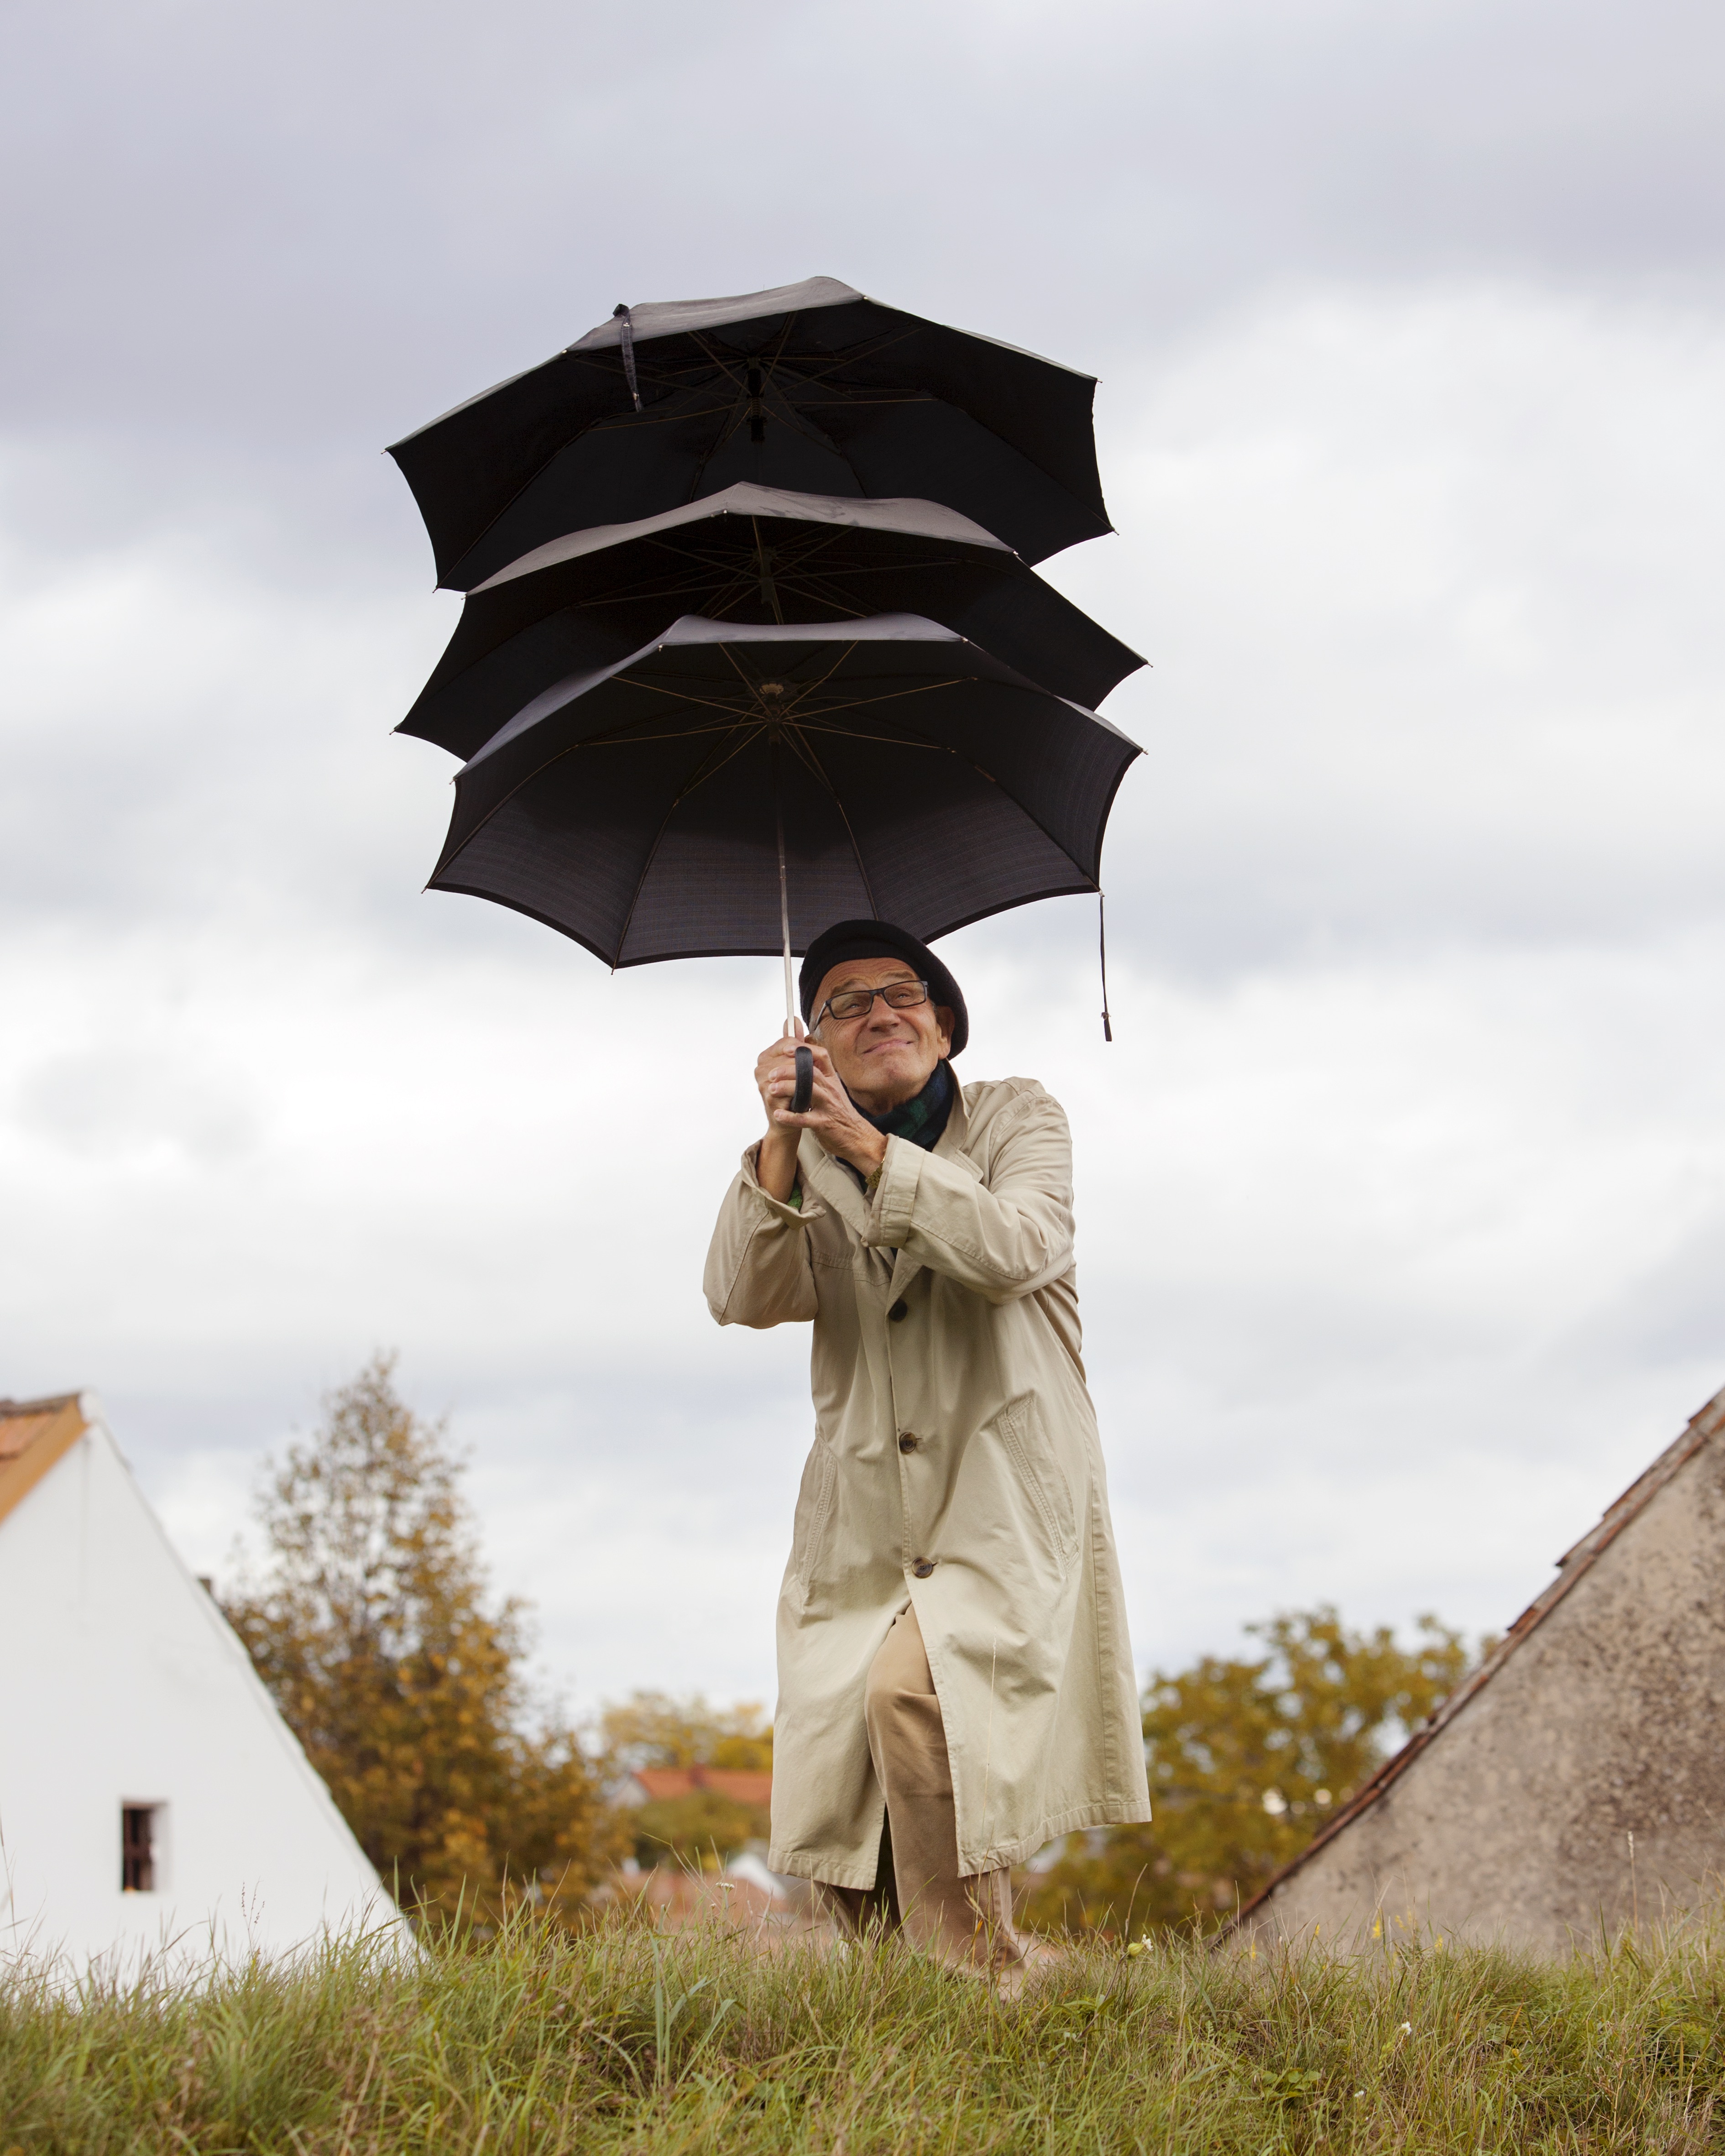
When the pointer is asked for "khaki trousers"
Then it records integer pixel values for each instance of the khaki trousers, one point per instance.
(965, 1923)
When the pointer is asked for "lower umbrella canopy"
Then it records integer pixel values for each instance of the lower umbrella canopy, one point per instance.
(756, 554)
(913, 777)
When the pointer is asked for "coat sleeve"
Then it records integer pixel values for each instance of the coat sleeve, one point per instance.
(1005, 1238)
(758, 1270)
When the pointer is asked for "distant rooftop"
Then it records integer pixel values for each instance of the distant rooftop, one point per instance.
(21, 1422)
(742, 1785)
(34, 1434)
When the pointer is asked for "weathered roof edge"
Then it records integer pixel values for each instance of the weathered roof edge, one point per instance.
(20, 1475)
(1573, 1564)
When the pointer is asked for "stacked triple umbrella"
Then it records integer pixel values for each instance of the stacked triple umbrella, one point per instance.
(750, 640)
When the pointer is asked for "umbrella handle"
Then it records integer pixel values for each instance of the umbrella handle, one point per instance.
(805, 1082)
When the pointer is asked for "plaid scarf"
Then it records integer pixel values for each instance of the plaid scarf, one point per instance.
(921, 1119)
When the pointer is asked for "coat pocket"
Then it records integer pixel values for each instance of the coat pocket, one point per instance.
(814, 1516)
(1019, 1423)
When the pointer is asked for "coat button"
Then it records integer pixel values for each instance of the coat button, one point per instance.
(922, 1567)
(900, 1310)
(908, 1440)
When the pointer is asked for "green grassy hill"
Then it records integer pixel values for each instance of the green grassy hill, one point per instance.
(542, 2041)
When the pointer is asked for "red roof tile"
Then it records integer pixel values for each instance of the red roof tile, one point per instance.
(742, 1785)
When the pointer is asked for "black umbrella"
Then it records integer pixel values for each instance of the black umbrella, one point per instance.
(811, 387)
(737, 788)
(751, 554)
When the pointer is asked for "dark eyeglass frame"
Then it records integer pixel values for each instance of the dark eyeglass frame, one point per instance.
(901, 995)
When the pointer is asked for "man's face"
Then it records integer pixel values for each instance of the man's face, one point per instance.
(887, 1056)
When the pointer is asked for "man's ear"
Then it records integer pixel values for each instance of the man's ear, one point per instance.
(943, 1024)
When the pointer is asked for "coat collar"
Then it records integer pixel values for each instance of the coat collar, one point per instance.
(832, 1183)
(949, 1147)
(836, 1187)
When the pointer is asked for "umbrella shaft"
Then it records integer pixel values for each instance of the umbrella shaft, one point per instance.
(784, 897)
(784, 922)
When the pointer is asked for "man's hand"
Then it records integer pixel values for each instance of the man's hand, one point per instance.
(832, 1116)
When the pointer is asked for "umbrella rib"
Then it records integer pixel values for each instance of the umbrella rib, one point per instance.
(809, 755)
(820, 681)
(733, 413)
(709, 703)
(885, 697)
(716, 565)
(678, 696)
(726, 368)
(713, 449)
(726, 584)
(848, 704)
(739, 382)
(510, 794)
(889, 741)
(784, 338)
(626, 737)
(881, 397)
(544, 465)
(794, 407)
(818, 594)
(735, 374)
(704, 770)
(769, 589)
(868, 348)
(730, 369)
(790, 568)
(613, 736)
(1023, 807)
(714, 556)
(650, 418)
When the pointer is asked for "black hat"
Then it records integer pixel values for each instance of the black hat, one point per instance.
(846, 940)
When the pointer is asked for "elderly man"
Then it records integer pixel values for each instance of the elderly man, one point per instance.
(956, 1685)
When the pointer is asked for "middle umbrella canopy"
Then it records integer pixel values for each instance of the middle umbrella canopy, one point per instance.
(906, 773)
(754, 554)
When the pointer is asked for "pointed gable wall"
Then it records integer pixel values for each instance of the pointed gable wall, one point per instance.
(1601, 1715)
(122, 1685)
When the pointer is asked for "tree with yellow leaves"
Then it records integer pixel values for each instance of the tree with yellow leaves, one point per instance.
(1248, 1758)
(370, 1626)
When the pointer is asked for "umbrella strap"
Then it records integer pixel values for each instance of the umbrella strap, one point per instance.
(1102, 951)
(621, 314)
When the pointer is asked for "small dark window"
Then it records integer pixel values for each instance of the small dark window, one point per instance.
(137, 1849)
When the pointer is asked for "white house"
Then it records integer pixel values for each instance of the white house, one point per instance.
(150, 1795)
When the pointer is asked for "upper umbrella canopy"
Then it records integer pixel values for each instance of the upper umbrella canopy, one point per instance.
(914, 777)
(755, 554)
(813, 388)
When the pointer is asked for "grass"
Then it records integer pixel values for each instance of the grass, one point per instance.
(621, 2040)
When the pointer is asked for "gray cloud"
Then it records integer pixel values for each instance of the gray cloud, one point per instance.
(257, 227)
(1401, 1192)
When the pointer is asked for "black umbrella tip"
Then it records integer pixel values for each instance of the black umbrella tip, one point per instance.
(619, 309)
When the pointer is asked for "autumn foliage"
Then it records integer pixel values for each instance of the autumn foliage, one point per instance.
(1248, 1758)
(370, 1624)
(703, 1826)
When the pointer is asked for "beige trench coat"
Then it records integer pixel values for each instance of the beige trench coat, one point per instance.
(956, 1465)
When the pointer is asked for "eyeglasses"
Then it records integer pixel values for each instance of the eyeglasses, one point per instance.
(858, 1002)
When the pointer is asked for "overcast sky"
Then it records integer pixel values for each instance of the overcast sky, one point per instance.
(1402, 1189)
